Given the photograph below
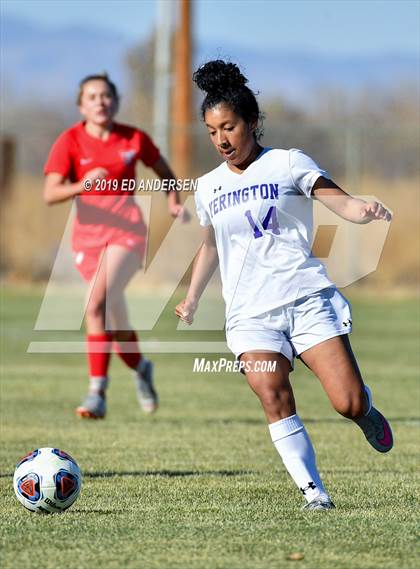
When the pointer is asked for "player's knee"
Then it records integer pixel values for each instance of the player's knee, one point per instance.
(95, 309)
(268, 398)
(274, 400)
(350, 406)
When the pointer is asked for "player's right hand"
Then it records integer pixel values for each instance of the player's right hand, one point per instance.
(185, 310)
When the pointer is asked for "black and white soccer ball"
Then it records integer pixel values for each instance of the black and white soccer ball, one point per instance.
(47, 480)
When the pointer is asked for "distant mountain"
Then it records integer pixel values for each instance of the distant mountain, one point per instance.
(48, 63)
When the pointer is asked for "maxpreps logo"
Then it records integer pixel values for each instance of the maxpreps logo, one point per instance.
(202, 365)
(127, 156)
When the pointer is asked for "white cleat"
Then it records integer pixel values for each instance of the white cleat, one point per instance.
(319, 504)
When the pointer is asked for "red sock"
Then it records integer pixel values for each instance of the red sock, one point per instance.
(129, 351)
(99, 353)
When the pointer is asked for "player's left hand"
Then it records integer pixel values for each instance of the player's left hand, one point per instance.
(185, 310)
(180, 212)
(372, 211)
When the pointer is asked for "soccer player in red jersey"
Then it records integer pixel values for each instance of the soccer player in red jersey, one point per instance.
(94, 162)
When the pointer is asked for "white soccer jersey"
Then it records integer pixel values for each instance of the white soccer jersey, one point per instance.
(262, 221)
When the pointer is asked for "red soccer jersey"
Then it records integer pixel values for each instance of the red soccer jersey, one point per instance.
(109, 215)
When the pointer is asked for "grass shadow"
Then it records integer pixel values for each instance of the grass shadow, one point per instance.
(96, 511)
(326, 420)
(167, 473)
(413, 420)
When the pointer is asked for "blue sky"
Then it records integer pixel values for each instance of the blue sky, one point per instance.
(324, 26)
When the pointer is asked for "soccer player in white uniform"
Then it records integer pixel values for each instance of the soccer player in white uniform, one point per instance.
(256, 209)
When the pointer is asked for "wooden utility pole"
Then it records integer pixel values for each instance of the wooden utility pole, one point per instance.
(7, 164)
(7, 173)
(182, 94)
(162, 81)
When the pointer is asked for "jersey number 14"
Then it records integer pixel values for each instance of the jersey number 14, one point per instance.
(269, 222)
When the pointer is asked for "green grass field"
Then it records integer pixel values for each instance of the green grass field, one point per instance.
(199, 485)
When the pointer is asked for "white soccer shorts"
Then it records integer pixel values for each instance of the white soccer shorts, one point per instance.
(293, 328)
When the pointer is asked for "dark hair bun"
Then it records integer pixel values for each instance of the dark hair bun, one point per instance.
(218, 76)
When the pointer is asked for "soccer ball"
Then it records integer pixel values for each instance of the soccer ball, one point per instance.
(47, 480)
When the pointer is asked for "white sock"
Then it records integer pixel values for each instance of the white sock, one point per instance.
(98, 384)
(295, 448)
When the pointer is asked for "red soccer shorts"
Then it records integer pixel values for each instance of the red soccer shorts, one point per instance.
(87, 258)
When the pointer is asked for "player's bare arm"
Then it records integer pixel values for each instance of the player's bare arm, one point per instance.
(204, 266)
(346, 206)
(57, 190)
(162, 169)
